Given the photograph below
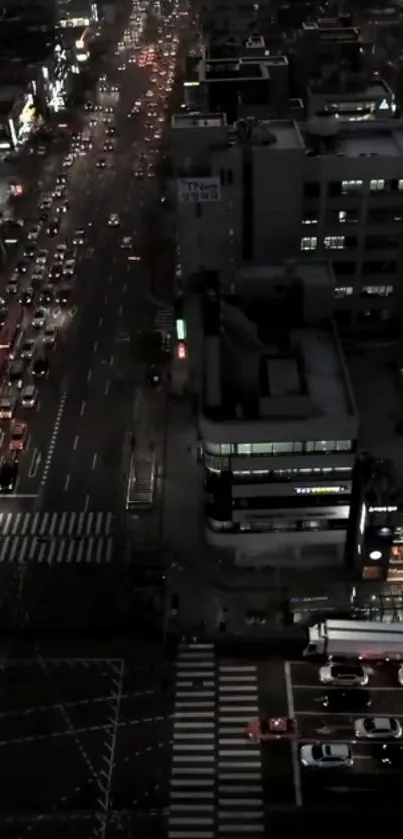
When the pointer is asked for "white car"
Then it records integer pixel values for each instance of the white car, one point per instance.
(39, 319)
(127, 242)
(347, 675)
(377, 728)
(69, 267)
(49, 336)
(326, 755)
(37, 276)
(28, 396)
(113, 220)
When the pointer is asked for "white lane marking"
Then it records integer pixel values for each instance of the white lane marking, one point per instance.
(107, 385)
(112, 360)
(82, 409)
(94, 461)
(87, 503)
(66, 483)
(125, 288)
(121, 310)
(53, 439)
(35, 463)
(89, 375)
(296, 771)
(95, 346)
(75, 444)
(106, 298)
(100, 322)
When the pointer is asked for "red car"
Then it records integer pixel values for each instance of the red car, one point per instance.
(19, 436)
(267, 729)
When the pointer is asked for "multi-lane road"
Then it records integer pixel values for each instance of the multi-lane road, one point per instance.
(72, 475)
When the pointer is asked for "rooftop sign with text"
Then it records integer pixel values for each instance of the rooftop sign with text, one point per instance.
(198, 190)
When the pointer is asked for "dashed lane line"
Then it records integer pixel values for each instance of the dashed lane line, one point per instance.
(40, 709)
(53, 440)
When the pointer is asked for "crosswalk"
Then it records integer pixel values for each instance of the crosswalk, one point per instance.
(164, 320)
(216, 779)
(56, 538)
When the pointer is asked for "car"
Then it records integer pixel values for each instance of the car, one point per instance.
(12, 286)
(326, 755)
(110, 131)
(372, 728)
(68, 161)
(89, 106)
(79, 237)
(7, 404)
(109, 146)
(62, 180)
(63, 208)
(388, 754)
(46, 203)
(42, 257)
(101, 163)
(63, 295)
(8, 474)
(59, 192)
(39, 319)
(60, 252)
(36, 278)
(16, 373)
(113, 220)
(69, 268)
(153, 375)
(348, 675)
(351, 699)
(34, 232)
(27, 296)
(53, 228)
(29, 396)
(19, 436)
(49, 336)
(3, 315)
(22, 266)
(27, 349)
(108, 109)
(29, 251)
(46, 296)
(40, 367)
(127, 242)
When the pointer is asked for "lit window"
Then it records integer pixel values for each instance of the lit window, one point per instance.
(343, 291)
(309, 221)
(334, 243)
(244, 448)
(377, 290)
(376, 185)
(348, 187)
(309, 243)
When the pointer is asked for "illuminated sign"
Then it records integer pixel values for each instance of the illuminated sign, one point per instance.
(375, 555)
(320, 490)
(382, 509)
(181, 330)
(384, 105)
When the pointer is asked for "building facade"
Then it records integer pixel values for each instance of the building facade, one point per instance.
(278, 424)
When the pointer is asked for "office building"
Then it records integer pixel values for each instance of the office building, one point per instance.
(277, 423)
(254, 192)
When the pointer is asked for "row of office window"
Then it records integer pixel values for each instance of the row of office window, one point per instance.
(356, 186)
(276, 526)
(340, 243)
(347, 268)
(297, 447)
(375, 215)
(371, 292)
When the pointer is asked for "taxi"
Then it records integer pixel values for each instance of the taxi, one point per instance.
(19, 436)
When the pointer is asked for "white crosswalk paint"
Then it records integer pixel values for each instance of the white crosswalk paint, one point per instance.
(239, 773)
(56, 524)
(194, 745)
(216, 776)
(56, 538)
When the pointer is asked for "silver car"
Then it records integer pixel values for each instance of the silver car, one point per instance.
(326, 755)
(377, 728)
(347, 675)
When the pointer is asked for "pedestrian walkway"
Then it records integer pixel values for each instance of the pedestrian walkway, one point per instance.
(56, 524)
(216, 781)
(192, 791)
(56, 538)
(239, 775)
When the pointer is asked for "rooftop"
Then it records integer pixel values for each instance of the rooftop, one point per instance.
(351, 86)
(270, 352)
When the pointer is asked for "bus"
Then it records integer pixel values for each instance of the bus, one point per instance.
(140, 490)
(9, 333)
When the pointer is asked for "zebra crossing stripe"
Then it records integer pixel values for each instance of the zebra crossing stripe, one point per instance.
(55, 525)
(97, 551)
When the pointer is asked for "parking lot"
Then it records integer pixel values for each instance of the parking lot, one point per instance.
(293, 689)
(78, 738)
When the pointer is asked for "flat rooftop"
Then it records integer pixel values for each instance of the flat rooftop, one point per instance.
(351, 90)
(258, 367)
(378, 389)
(354, 139)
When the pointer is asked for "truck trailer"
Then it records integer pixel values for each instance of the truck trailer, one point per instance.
(350, 639)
